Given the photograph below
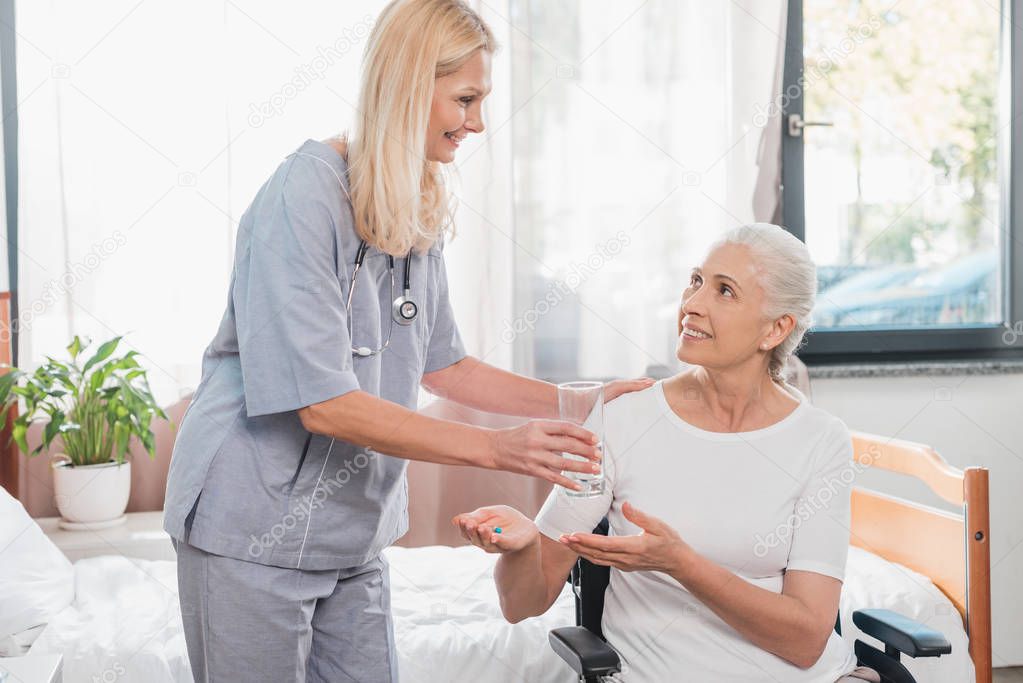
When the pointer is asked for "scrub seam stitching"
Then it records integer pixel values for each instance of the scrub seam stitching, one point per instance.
(309, 519)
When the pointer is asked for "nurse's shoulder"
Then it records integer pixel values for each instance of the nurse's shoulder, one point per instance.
(311, 174)
(301, 209)
(317, 170)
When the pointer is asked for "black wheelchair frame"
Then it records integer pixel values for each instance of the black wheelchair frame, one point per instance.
(584, 649)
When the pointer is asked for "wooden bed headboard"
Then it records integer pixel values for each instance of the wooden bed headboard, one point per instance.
(950, 548)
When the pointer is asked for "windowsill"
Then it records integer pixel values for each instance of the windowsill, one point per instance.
(918, 369)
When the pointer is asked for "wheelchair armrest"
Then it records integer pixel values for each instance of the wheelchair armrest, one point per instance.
(901, 633)
(584, 651)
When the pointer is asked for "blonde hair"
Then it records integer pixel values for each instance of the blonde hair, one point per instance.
(789, 279)
(399, 198)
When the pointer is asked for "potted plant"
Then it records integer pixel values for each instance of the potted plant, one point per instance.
(96, 409)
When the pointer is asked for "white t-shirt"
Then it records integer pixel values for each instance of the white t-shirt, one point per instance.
(756, 502)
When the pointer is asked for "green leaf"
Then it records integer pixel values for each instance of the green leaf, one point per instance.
(149, 441)
(7, 382)
(121, 436)
(75, 347)
(128, 361)
(18, 432)
(102, 353)
(98, 378)
(54, 365)
(52, 427)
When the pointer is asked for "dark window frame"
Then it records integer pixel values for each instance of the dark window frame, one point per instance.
(973, 342)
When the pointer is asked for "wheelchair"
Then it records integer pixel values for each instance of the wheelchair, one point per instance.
(584, 649)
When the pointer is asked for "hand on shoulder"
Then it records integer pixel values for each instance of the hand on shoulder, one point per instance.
(339, 144)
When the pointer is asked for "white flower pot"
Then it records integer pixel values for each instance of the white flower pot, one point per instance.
(92, 495)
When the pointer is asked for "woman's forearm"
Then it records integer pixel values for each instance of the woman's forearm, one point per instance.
(365, 420)
(478, 385)
(778, 623)
(521, 585)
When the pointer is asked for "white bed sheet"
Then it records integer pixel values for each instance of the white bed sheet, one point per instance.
(125, 622)
(874, 582)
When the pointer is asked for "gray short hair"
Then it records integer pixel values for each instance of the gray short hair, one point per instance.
(789, 279)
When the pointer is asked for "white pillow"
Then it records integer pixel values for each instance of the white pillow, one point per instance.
(18, 645)
(873, 582)
(36, 579)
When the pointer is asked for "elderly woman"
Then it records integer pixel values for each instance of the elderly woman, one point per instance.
(730, 565)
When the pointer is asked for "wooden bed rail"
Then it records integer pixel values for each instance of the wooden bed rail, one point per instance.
(949, 547)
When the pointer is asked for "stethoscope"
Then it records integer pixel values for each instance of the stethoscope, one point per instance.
(404, 309)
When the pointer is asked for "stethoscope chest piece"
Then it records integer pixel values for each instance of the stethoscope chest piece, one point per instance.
(404, 310)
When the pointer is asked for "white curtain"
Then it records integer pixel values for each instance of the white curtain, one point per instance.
(480, 258)
(639, 131)
(145, 130)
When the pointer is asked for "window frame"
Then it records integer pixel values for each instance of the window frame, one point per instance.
(967, 342)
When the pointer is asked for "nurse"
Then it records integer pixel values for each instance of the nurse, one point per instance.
(288, 473)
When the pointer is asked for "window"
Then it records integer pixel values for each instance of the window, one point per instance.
(902, 130)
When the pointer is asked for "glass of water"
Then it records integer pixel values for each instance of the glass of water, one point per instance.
(582, 403)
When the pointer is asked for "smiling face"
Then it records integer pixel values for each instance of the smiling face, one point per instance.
(457, 107)
(721, 321)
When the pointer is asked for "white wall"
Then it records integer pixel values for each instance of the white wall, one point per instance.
(970, 420)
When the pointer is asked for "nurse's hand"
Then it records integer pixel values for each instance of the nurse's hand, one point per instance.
(480, 526)
(535, 449)
(616, 388)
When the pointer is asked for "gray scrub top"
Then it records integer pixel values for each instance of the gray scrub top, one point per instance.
(239, 485)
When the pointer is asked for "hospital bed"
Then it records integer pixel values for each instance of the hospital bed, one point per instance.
(124, 616)
(124, 619)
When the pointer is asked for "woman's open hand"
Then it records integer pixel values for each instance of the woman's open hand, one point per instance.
(497, 528)
(657, 548)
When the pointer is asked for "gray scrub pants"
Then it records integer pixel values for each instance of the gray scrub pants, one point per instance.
(252, 622)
